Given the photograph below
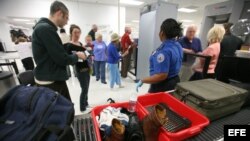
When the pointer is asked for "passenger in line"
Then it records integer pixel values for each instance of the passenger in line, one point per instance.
(100, 58)
(82, 66)
(189, 42)
(49, 54)
(113, 60)
(214, 37)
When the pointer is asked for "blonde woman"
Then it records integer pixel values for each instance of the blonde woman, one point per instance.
(214, 37)
(100, 58)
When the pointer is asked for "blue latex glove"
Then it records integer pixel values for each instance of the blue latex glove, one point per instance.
(138, 85)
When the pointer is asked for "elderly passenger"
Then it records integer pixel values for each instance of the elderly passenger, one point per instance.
(189, 42)
(100, 58)
(214, 37)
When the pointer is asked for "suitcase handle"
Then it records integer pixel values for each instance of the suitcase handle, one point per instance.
(184, 97)
(194, 130)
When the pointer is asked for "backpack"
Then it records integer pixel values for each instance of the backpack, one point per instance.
(35, 114)
(134, 130)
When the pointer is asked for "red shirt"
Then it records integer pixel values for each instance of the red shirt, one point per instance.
(125, 40)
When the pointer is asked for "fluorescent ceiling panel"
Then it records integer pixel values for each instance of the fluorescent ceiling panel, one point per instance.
(186, 21)
(186, 10)
(21, 20)
(131, 2)
(135, 21)
(30, 23)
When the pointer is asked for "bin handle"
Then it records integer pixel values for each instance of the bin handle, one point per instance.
(194, 130)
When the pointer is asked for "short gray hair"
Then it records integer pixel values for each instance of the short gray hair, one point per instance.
(192, 26)
(127, 28)
(215, 34)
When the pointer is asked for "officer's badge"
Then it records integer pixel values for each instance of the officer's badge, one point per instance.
(160, 58)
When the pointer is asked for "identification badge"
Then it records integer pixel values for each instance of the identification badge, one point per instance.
(99, 46)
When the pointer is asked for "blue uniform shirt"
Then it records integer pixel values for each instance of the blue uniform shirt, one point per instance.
(167, 59)
(195, 45)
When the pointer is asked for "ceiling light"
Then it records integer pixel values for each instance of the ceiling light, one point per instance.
(186, 21)
(248, 10)
(131, 2)
(186, 10)
(30, 23)
(21, 20)
(135, 21)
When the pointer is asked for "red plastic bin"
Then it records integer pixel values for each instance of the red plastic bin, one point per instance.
(97, 110)
(198, 120)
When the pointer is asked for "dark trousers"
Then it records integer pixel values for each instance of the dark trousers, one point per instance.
(60, 87)
(84, 78)
(166, 85)
(100, 70)
(126, 60)
(199, 76)
(28, 63)
(93, 68)
(68, 71)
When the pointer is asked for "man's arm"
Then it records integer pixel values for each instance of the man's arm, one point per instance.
(188, 50)
(56, 49)
(199, 46)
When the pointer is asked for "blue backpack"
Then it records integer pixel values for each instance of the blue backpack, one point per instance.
(35, 114)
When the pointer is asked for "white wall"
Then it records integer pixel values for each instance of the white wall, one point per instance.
(5, 35)
(133, 14)
(82, 14)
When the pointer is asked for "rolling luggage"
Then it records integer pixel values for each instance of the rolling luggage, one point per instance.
(210, 97)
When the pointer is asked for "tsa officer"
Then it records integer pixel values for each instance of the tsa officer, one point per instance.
(165, 61)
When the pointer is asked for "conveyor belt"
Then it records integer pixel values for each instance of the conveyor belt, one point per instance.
(214, 132)
(84, 128)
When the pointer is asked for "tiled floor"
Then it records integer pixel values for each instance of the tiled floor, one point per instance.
(99, 93)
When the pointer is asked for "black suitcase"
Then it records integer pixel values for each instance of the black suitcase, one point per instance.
(210, 97)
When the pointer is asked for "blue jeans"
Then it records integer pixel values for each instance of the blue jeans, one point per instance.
(100, 70)
(114, 75)
(84, 79)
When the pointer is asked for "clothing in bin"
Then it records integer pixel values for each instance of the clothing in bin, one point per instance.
(123, 126)
(106, 117)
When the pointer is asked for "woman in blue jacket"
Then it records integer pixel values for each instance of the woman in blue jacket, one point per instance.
(113, 60)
